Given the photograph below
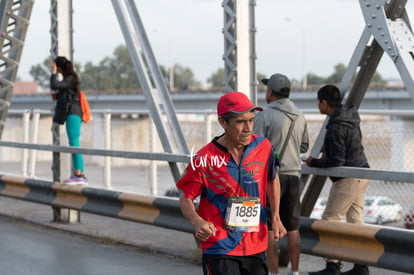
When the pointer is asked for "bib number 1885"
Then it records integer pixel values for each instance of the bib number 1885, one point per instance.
(243, 214)
(247, 211)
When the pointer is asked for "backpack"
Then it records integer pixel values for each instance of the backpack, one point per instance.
(86, 111)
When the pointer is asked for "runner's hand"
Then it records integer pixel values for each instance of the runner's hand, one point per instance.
(204, 230)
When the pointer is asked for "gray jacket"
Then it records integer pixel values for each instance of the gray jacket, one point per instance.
(274, 122)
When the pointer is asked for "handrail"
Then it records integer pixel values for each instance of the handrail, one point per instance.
(342, 171)
(170, 157)
(363, 173)
(199, 101)
(402, 113)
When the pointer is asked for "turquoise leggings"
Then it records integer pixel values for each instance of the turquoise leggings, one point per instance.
(73, 127)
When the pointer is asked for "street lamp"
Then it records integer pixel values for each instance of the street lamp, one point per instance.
(305, 78)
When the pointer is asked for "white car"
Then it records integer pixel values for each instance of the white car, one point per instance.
(380, 209)
(318, 209)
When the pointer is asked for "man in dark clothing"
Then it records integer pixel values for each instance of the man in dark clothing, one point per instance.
(343, 147)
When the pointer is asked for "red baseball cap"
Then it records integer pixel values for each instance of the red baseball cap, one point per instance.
(236, 102)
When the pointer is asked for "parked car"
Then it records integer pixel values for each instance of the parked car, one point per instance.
(318, 208)
(409, 218)
(380, 209)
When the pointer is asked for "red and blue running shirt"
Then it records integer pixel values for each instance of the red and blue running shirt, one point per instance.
(214, 176)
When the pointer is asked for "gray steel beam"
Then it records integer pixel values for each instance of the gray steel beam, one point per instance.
(61, 45)
(253, 56)
(151, 80)
(55, 127)
(230, 45)
(385, 24)
(14, 21)
(375, 100)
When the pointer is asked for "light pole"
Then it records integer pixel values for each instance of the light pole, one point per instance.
(302, 31)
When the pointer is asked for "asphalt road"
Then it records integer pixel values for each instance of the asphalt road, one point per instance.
(30, 249)
(30, 244)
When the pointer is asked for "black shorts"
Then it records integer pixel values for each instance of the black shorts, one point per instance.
(235, 265)
(289, 203)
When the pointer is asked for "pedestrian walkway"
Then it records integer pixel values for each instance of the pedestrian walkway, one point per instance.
(27, 248)
(144, 237)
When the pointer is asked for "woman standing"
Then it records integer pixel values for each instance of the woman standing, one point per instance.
(68, 109)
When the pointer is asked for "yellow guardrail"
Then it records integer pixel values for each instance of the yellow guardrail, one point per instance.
(388, 248)
(385, 247)
(152, 210)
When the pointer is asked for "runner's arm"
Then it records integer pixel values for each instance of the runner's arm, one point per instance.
(203, 229)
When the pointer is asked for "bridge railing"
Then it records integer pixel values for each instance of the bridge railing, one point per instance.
(128, 139)
(319, 238)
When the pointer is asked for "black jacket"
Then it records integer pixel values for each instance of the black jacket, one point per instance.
(343, 141)
(68, 90)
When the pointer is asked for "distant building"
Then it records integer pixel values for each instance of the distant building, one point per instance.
(395, 83)
(25, 88)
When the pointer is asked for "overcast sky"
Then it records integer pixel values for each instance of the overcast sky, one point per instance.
(189, 32)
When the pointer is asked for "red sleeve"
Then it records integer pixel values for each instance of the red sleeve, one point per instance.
(191, 183)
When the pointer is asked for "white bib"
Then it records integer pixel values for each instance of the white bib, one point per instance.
(243, 214)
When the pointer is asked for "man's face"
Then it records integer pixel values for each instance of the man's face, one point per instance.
(239, 129)
(322, 106)
(268, 95)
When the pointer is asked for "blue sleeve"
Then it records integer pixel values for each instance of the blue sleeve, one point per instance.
(273, 164)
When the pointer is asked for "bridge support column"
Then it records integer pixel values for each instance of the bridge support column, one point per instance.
(61, 32)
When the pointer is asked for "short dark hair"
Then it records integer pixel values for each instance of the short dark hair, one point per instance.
(283, 93)
(331, 94)
(228, 116)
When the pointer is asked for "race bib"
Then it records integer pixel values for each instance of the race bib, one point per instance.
(243, 214)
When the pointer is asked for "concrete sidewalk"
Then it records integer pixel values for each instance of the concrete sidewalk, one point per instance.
(106, 229)
(149, 238)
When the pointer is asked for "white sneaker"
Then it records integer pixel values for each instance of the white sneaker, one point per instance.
(76, 180)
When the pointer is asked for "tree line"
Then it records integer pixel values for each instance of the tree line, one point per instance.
(117, 72)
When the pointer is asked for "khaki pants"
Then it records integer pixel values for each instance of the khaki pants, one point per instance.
(347, 198)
